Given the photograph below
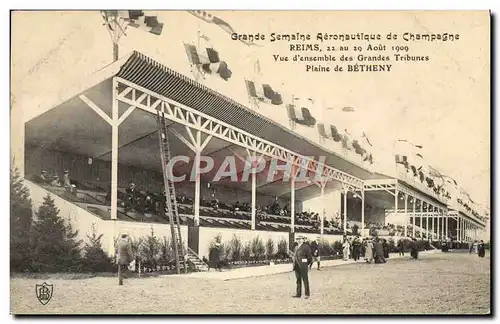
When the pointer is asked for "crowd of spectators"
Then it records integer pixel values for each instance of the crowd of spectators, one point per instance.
(148, 203)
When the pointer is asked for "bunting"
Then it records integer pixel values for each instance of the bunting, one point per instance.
(263, 92)
(208, 61)
(137, 19)
(225, 26)
(299, 111)
(347, 141)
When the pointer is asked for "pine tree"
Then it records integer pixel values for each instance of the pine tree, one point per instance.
(20, 222)
(95, 259)
(54, 247)
(72, 252)
(150, 251)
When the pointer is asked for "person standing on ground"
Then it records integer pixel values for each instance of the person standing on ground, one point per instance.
(214, 257)
(346, 247)
(401, 248)
(481, 249)
(385, 247)
(414, 249)
(369, 251)
(355, 249)
(301, 261)
(315, 253)
(124, 256)
(379, 252)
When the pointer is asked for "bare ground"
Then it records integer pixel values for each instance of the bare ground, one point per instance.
(440, 283)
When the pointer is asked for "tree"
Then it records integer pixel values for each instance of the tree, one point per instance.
(270, 251)
(236, 247)
(21, 217)
(258, 248)
(53, 242)
(150, 250)
(94, 257)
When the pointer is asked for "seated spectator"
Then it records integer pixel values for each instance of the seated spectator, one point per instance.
(42, 178)
(71, 188)
(131, 199)
(149, 206)
(55, 181)
(215, 204)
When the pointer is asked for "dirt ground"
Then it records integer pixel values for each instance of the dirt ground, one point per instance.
(440, 283)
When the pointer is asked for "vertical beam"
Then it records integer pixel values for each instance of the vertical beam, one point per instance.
(422, 219)
(414, 218)
(447, 224)
(292, 203)
(363, 211)
(426, 221)
(114, 152)
(442, 224)
(458, 228)
(322, 218)
(396, 198)
(433, 230)
(254, 195)
(461, 229)
(406, 215)
(197, 188)
(438, 220)
(345, 211)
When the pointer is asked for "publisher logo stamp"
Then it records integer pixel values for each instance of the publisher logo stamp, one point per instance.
(44, 293)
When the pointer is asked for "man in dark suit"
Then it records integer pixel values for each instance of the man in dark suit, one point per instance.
(315, 253)
(301, 261)
(124, 256)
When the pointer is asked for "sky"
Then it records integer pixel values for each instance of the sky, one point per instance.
(443, 104)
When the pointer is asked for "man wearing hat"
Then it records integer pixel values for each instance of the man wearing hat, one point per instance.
(124, 255)
(301, 261)
(67, 183)
(214, 257)
(315, 253)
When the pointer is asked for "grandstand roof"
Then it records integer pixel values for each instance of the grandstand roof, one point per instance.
(71, 126)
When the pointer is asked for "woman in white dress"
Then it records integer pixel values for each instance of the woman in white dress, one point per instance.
(369, 251)
(346, 249)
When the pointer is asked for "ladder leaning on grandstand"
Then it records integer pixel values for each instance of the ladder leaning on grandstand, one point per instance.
(171, 210)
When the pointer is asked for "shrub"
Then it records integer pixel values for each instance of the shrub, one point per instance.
(166, 252)
(282, 249)
(337, 247)
(325, 248)
(236, 248)
(94, 257)
(20, 222)
(270, 252)
(247, 251)
(150, 251)
(226, 252)
(258, 249)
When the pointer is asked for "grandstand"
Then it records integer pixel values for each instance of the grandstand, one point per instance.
(104, 133)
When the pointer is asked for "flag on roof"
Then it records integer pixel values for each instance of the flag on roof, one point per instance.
(139, 20)
(263, 92)
(337, 137)
(403, 151)
(347, 141)
(225, 26)
(450, 180)
(300, 111)
(434, 172)
(208, 61)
